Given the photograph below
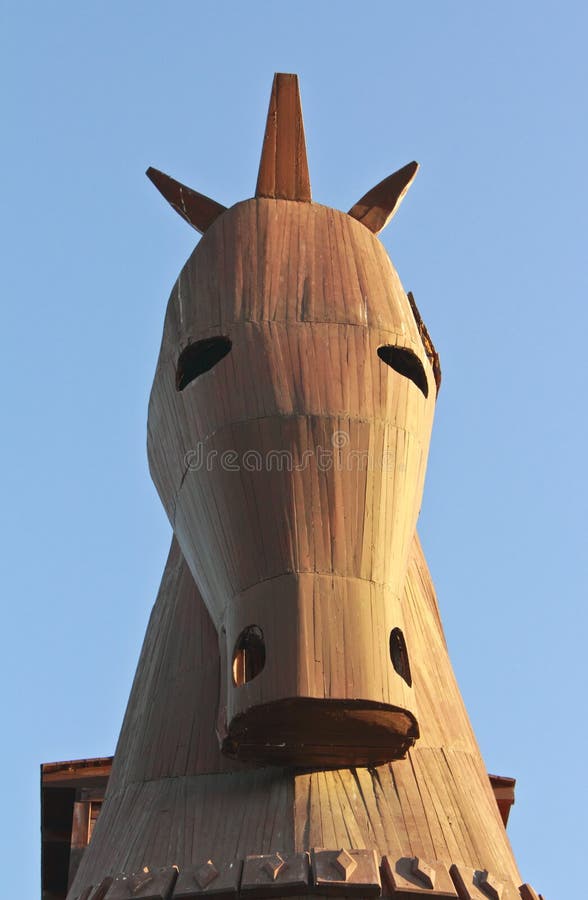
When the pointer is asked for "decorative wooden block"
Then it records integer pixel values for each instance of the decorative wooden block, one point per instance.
(528, 893)
(408, 877)
(146, 884)
(209, 879)
(346, 873)
(276, 874)
(478, 884)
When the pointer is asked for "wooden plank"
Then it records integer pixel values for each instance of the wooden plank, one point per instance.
(77, 773)
(283, 170)
(504, 792)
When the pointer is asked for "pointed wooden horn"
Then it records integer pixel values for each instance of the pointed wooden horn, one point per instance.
(283, 170)
(376, 208)
(198, 211)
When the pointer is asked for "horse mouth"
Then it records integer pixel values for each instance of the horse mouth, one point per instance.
(309, 732)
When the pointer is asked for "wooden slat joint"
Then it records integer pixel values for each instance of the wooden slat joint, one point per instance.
(528, 893)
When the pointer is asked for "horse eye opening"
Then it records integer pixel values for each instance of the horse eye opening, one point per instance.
(199, 358)
(406, 363)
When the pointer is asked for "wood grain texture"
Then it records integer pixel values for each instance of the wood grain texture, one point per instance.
(182, 801)
(196, 209)
(294, 694)
(169, 726)
(283, 170)
(327, 448)
(380, 204)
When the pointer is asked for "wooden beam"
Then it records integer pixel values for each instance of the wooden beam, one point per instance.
(504, 793)
(198, 210)
(376, 208)
(77, 772)
(283, 170)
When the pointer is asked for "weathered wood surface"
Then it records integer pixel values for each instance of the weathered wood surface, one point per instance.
(283, 170)
(196, 209)
(380, 204)
(184, 801)
(294, 695)
(324, 516)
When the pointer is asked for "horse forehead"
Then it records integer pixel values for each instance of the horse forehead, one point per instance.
(268, 260)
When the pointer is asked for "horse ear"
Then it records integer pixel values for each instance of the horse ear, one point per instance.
(376, 208)
(198, 211)
(283, 169)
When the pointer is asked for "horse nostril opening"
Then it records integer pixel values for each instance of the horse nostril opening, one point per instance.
(199, 357)
(399, 655)
(248, 655)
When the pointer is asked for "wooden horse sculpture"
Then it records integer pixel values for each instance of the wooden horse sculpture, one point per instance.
(294, 727)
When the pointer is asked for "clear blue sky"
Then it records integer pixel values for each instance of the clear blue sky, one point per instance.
(491, 99)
